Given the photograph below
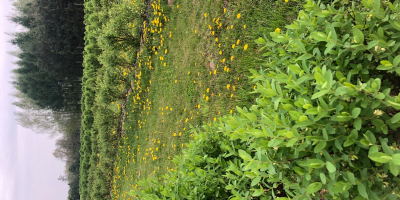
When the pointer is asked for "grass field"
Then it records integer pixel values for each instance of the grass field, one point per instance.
(191, 69)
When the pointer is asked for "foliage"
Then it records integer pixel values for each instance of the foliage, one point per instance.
(324, 125)
(110, 40)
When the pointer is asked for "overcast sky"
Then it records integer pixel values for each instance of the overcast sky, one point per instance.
(28, 169)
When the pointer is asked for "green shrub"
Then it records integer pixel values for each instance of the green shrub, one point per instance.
(324, 126)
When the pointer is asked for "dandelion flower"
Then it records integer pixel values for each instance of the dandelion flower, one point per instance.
(228, 86)
(245, 46)
(277, 30)
(216, 39)
(233, 46)
(244, 26)
(220, 52)
(205, 14)
(237, 42)
(238, 15)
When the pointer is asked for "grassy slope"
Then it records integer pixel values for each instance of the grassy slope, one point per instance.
(156, 127)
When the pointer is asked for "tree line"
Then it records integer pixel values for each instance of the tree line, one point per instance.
(49, 74)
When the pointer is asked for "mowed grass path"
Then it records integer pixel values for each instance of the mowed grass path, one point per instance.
(191, 70)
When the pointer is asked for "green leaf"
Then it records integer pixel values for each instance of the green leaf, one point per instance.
(396, 158)
(252, 164)
(358, 35)
(260, 40)
(319, 146)
(383, 67)
(380, 157)
(395, 23)
(319, 94)
(305, 57)
(258, 192)
(387, 149)
(319, 78)
(245, 156)
(319, 36)
(357, 123)
(314, 187)
(370, 137)
(372, 44)
(377, 5)
(355, 112)
(396, 118)
(315, 163)
(386, 63)
(362, 190)
(295, 68)
(291, 142)
(340, 91)
(331, 167)
(323, 178)
(255, 181)
(396, 61)
(351, 178)
(394, 169)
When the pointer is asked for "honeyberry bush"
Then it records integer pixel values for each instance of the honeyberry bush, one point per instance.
(324, 125)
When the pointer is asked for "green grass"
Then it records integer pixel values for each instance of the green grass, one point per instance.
(192, 54)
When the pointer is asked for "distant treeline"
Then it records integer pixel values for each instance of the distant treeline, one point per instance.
(50, 58)
(49, 73)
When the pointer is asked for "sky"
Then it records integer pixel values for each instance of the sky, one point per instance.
(28, 169)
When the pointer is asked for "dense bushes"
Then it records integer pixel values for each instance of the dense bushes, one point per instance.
(111, 42)
(324, 126)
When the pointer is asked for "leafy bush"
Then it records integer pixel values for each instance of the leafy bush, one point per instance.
(324, 126)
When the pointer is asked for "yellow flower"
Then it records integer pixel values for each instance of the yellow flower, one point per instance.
(238, 16)
(233, 46)
(223, 60)
(215, 119)
(231, 111)
(195, 31)
(176, 81)
(224, 10)
(208, 90)
(228, 86)
(278, 30)
(207, 98)
(244, 26)
(245, 46)
(231, 26)
(220, 52)
(237, 42)
(177, 6)
(205, 14)
(286, 1)
(198, 106)
(215, 71)
(231, 57)
(216, 39)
